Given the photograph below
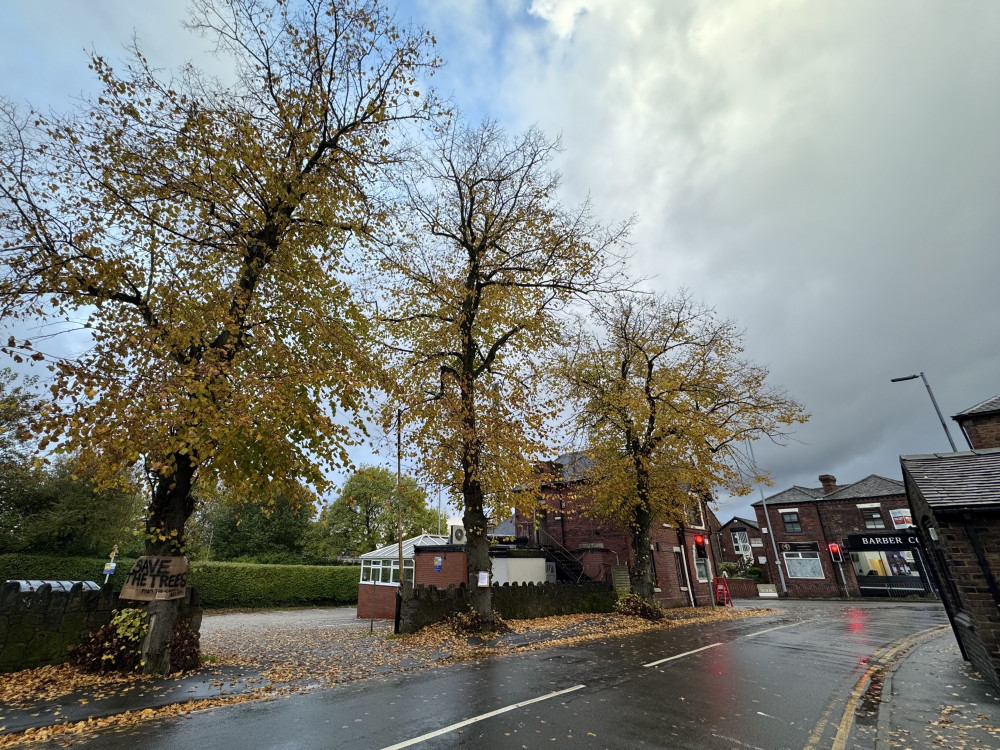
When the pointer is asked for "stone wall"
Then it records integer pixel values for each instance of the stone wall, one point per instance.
(424, 605)
(38, 627)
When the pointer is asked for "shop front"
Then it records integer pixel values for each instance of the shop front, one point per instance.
(888, 564)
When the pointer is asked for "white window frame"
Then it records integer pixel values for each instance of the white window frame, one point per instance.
(700, 565)
(791, 570)
(741, 544)
(870, 522)
(385, 572)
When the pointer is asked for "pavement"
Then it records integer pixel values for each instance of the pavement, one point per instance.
(926, 697)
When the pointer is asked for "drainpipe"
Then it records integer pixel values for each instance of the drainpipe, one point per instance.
(687, 574)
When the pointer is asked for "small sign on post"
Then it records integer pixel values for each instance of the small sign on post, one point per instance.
(156, 578)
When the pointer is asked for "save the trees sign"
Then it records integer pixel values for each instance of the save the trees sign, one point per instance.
(156, 578)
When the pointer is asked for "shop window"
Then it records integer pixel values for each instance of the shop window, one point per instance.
(803, 565)
(873, 518)
(792, 524)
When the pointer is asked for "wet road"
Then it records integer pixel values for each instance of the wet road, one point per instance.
(767, 683)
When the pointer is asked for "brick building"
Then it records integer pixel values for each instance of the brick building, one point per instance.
(955, 498)
(739, 541)
(981, 423)
(380, 575)
(583, 547)
(870, 522)
(956, 501)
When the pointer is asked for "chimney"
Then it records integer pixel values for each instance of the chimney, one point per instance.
(829, 483)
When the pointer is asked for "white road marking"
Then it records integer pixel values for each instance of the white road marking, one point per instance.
(678, 656)
(481, 717)
(767, 715)
(779, 627)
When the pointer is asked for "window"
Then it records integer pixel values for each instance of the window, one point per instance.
(385, 571)
(792, 525)
(803, 565)
(679, 567)
(741, 544)
(873, 518)
(700, 565)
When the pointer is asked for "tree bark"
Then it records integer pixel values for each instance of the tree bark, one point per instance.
(171, 506)
(642, 583)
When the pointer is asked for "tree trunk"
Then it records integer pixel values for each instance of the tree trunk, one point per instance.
(641, 580)
(477, 551)
(171, 506)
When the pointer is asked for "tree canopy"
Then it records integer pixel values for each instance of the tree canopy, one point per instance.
(364, 515)
(199, 231)
(487, 263)
(664, 401)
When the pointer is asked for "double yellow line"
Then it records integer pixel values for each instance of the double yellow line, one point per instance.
(883, 658)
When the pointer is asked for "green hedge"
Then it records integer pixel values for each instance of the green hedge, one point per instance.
(221, 584)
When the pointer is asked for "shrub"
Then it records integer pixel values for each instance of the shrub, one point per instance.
(729, 569)
(633, 605)
(115, 647)
(221, 584)
(754, 572)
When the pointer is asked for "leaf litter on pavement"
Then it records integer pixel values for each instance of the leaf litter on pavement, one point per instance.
(293, 659)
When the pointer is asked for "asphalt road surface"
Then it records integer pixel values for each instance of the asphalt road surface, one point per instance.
(756, 683)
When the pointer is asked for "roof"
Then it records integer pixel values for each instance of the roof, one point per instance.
(956, 481)
(793, 495)
(989, 406)
(505, 528)
(391, 551)
(871, 486)
(744, 521)
(570, 467)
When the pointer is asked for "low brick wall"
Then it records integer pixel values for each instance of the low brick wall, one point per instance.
(742, 588)
(424, 605)
(38, 627)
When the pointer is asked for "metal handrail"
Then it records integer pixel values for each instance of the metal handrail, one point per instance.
(569, 554)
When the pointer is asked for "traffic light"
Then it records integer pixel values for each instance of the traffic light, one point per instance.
(835, 553)
(699, 546)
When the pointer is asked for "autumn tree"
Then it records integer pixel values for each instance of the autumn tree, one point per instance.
(487, 264)
(664, 401)
(364, 515)
(198, 230)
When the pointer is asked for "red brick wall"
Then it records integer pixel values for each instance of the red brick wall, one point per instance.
(983, 432)
(454, 568)
(385, 601)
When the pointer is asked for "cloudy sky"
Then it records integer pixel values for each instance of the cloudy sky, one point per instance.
(823, 172)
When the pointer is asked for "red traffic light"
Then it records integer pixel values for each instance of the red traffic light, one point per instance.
(835, 553)
(699, 546)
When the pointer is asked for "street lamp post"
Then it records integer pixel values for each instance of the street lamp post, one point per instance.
(944, 425)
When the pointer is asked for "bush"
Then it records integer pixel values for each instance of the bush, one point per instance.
(220, 584)
(754, 572)
(633, 605)
(729, 569)
(249, 585)
(115, 647)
